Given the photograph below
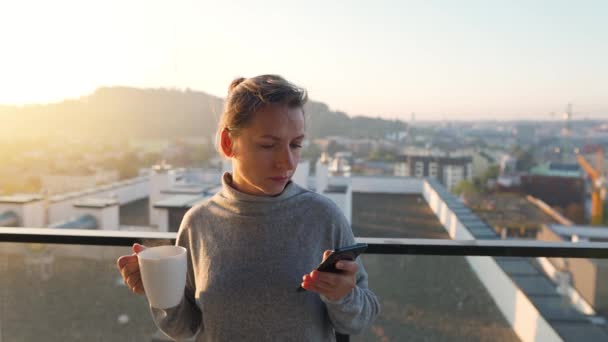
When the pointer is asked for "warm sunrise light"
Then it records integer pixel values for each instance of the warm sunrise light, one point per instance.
(441, 60)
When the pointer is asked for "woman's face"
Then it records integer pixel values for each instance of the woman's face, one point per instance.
(267, 152)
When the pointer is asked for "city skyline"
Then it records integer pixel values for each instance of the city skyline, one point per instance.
(442, 61)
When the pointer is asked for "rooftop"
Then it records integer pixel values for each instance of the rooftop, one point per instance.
(96, 202)
(180, 201)
(20, 198)
(394, 215)
(418, 304)
(557, 170)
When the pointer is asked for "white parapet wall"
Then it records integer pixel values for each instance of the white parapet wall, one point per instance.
(105, 211)
(61, 207)
(29, 209)
(300, 177)
(388, 184)
(518, 310)
(343, 200)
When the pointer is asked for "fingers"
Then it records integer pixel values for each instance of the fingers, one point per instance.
(349, 267)
(326, 254)
(126, 259)
(129, 269)
(128, 265)
(317, 287)
(132, 278)
(317, 277)
(332, 292)
(139, 287)
(332, 285)
(135, 283)
(138, 248)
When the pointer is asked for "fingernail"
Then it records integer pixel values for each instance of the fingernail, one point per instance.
(340, 265)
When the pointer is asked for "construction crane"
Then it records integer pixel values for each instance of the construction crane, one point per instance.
(597, 185)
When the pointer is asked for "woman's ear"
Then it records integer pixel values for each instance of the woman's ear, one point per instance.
(226, 143)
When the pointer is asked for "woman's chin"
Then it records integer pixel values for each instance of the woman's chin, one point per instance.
(274, 190)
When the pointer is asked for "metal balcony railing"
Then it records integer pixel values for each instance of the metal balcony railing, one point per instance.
(390, 246)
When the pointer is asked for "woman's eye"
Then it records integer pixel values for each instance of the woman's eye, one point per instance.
(267, 146)
(296, 146)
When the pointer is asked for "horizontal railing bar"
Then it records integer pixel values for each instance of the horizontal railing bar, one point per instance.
(81, 236)
(495, 248)
(508, 248)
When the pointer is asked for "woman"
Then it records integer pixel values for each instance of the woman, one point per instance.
(255, 241)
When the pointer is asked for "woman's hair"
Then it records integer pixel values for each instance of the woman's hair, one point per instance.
(247, 95)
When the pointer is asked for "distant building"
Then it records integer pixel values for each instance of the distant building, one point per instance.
(481, 162)
(373, 168)
(525, 133)
(448, 168)
(558, 185)
(508, 177)
(340, 165)
(588, 276)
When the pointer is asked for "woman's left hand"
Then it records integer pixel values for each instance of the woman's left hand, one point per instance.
(334, 286)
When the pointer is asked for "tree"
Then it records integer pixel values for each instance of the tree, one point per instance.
(128, 166)
(334, 147)
(491, 173)
(382, 155)
(525, 158)
(465, 187)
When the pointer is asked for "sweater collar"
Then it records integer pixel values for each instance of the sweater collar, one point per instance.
(230, 193)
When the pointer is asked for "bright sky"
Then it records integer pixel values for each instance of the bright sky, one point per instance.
(440, 59)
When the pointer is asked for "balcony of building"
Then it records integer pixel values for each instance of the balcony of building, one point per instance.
(440, 272)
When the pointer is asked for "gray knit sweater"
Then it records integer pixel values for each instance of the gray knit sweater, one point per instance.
(247, 256)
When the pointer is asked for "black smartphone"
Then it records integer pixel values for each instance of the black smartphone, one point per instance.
(349, 253)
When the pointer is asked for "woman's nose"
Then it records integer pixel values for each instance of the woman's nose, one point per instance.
(286, 160)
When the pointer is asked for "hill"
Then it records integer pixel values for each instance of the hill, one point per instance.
(125, 113)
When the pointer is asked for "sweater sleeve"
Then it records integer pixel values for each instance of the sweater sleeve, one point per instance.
(357, 310)
(185, 319)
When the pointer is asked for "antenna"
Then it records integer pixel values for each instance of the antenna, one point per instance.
(567, 130)
(567, 133)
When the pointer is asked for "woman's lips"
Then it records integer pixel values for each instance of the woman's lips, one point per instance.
(279, 179)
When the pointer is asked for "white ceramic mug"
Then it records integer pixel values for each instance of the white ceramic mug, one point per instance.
(163, 273)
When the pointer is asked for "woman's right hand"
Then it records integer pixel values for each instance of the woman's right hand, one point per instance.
(128, 265)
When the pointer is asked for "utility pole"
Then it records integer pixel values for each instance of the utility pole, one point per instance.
(567, 133)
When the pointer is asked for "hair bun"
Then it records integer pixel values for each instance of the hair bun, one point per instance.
(235, 83)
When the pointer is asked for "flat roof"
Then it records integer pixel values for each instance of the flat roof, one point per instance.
(599, 232)
(180, 201)
(528, 275)
(20, 198)
(96, 202)
(394, 215)
(105, 187)
(184, 190)
(434, 298)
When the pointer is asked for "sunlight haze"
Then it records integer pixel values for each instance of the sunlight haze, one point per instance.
(439, 59)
